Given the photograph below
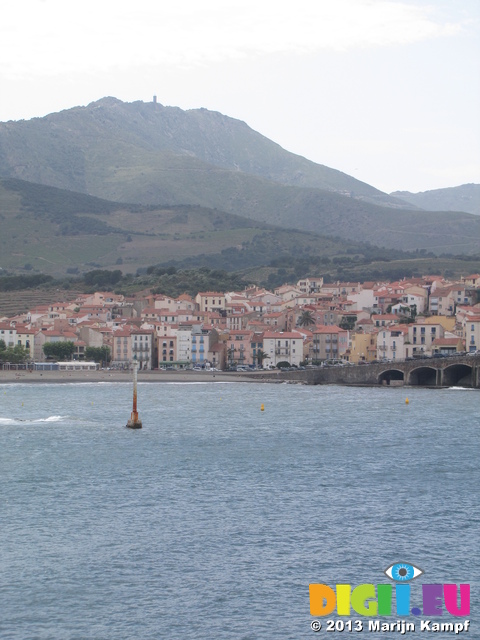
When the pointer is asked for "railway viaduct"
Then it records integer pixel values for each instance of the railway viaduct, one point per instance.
(461, 371)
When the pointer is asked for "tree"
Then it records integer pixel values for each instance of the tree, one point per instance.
(306, 319)
(261, 356)
(98, 354)
(59, 350)
(231, 356)
(348, 323)
(14, 355)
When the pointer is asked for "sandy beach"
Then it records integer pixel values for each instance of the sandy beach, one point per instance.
(12, 376)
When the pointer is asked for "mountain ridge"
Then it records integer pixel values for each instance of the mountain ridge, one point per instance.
(149, 154)
(465, 197)
(208, 136)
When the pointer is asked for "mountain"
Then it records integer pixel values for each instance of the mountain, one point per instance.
(466, 197)
(57, 231)
(152, 155)
(78, 149)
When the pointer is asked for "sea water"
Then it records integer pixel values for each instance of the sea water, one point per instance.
(212, 521)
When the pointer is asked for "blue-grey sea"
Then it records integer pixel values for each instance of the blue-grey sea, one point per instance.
(212, 521)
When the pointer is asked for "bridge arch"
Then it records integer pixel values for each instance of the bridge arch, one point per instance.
(389, 376)
(423, 377)
(458, 375)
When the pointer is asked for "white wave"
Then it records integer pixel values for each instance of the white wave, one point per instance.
(7, 421)
(461, 389)
(190, 384)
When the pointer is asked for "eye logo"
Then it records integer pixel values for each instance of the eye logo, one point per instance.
(403, 572)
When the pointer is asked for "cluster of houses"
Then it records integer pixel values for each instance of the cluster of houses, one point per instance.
(310, 322)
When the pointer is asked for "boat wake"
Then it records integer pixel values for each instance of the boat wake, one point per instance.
(12, 421)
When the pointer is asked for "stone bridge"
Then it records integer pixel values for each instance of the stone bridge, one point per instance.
(461, 371)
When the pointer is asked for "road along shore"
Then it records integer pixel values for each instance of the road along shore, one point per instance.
(49, 377)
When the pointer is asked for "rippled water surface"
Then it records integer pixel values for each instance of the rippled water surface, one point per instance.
(212, 520)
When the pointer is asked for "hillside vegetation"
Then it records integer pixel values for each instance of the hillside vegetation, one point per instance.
(164, 157)
(466, 197)
(59, 232)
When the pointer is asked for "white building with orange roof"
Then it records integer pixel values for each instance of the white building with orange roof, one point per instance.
(384, 298)
(8, 334)
(283, 346)
(143, 346)
(150, 314)
(287, 292)
(237, 315)
(301, 301)
(444, 300)
(472, 280)
(391, 343)
(363, 299)
(421, 336)
(385, 319)
(101, 299)
(266, 303)
(164, 314)
(310, 285)
(471, 332)
(26, 338)
(415, 296)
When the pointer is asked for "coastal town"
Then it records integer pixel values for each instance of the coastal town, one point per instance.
(309, 323)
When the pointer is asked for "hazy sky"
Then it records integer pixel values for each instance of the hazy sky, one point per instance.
(386, 91)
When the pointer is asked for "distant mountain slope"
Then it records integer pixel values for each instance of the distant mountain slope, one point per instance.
(56, 231)
(463, 198)
(165, 157)
(88, 149)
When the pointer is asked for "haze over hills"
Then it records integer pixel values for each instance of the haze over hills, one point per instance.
(56, 231)
(149, 137)
(148, 154)
(466, 197)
